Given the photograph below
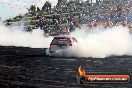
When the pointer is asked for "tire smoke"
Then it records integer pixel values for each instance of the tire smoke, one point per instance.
(16, 37)
(101, 42)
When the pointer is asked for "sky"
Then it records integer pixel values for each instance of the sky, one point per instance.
(11, 8)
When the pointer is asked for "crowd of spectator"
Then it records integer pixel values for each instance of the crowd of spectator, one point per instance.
(66, 17)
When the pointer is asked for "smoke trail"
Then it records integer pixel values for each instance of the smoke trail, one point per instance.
(36, 39)
(101, 43)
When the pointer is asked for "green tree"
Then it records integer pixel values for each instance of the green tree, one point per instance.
(20, 16)
(62, 1)
(32, 8)
(38, 9)
(47, 6)
(71, 2)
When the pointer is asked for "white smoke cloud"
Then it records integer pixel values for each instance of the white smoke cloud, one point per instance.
(102, 43)
(36, 39)
(99, 43)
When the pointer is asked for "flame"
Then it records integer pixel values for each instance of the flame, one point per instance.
(81, 71)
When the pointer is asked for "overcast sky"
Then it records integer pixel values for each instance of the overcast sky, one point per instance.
(11, 8)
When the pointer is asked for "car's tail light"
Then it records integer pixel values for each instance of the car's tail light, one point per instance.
(50, 47)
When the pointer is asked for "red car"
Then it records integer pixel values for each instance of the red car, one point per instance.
(60, 43)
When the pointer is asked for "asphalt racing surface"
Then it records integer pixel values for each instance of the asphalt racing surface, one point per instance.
(31, 68)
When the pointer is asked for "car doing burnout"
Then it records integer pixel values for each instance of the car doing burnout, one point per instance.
(60, 43)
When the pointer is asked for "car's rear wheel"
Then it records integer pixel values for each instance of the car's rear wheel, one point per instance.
(48, 53)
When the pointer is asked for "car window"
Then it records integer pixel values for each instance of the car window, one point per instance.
(59, 41)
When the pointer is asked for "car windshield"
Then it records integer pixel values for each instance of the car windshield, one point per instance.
(59, 41)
